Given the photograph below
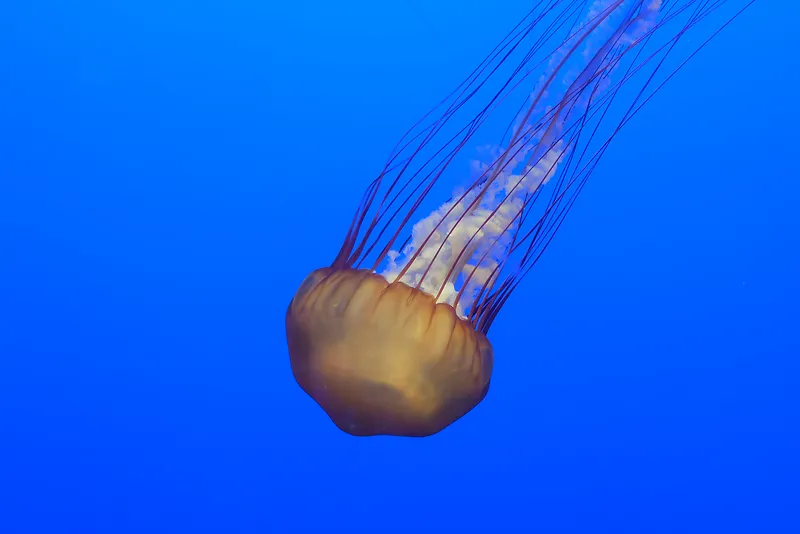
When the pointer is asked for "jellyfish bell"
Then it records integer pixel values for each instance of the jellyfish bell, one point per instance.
(384, 358)
(391, 338)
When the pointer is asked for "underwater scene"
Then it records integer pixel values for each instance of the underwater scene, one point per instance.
(405, 266)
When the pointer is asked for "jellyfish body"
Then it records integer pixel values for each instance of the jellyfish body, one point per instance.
(391, 338)
(384, 358)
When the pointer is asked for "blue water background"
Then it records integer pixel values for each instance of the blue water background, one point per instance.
(169, 173)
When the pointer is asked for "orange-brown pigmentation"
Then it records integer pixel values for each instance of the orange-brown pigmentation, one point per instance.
(384, 358)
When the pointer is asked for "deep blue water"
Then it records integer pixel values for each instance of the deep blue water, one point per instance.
(169, 173)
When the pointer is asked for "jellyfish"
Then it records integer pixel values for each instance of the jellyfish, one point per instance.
(392, 337)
